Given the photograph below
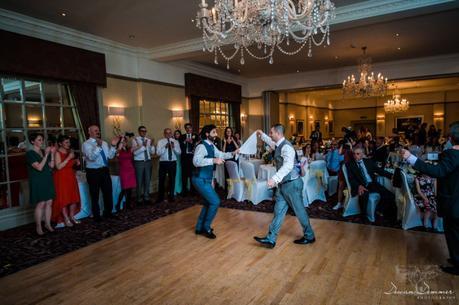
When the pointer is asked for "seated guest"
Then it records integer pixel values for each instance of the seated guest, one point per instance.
(316, 152)
(238, 138)
(168, 148)
(362, 177)
(67, 201)
(414, 148)
(333, 159)
(97, 153)
(229, 143)
(41, 186)
(345, 150)
(178, 171)
(381, 152)
(307, 152)
(127, 172)
(426, 188)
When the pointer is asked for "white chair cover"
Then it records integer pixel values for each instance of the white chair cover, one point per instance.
(316, 181)
(352, 207)
(411, 215)
(256, 190)
(235, 184)
(332, 185)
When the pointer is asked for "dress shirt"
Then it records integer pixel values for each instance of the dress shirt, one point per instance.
(412, 159)
(362, 167)
(92, 153)
(333, 159)
(200, 160)
(287, 154)
(139, 154)
(161, 149)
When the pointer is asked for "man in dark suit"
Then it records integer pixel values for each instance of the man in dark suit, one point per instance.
(188, 143)
(447, 172)
(362, 177)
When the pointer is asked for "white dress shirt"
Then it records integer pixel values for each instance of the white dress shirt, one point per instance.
(139, 154)
(287, 154)
(93, 156)
(161, 149)
(200, 160)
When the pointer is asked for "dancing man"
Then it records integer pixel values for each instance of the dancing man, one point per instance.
(289, 188)
(206, 156)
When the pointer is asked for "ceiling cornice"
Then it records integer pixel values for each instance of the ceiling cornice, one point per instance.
(347, 13)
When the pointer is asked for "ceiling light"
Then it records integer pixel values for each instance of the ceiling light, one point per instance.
(397, 34)
(63, 14)
(399, 48)
(259, 27)
(297, 71)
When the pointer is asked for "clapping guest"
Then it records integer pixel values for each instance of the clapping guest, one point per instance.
(127, 171)
(67, 201)
(178, 171)
(143, 149)
(97, 153)
(168, 149)
(316, 151)
(41, 186)
(425, 199)
(238, 138)
(307, 153)
(229, 143)
(188, 142)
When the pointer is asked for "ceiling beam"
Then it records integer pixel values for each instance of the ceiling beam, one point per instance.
(348, 13)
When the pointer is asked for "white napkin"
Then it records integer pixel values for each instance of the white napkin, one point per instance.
(250, 146)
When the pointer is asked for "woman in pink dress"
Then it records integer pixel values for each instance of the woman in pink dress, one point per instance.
(127, 172)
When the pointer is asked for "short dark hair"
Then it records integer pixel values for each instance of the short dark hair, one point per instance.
(188, 124)
(34, 136)
(206, 129)
(279, 128)
(62, 138)
(141, 127)
(454, 131)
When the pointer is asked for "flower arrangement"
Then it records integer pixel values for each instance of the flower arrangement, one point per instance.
(267, 157)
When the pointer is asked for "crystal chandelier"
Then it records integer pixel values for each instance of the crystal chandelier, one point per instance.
(266, 25)
(368, 84)
(396, 104)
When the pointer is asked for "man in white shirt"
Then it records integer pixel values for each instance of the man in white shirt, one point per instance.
(289, 188)
(205, 157)
(96, 155)
(143, 150)
(167, 149)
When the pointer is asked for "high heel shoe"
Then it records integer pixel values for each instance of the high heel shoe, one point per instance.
(76, 221)
(68, 223)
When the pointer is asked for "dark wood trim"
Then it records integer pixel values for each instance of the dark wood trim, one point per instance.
(143, 80)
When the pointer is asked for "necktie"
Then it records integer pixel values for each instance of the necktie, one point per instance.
(169, 150)
(145, 152)
(104, 157)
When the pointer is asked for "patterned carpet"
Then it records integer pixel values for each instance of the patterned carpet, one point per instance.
(21, 248)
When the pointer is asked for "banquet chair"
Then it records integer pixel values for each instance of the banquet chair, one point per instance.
(332, 185)
(352, 207)
(316, 181)
(256, 190)
(411, 215)
(235, 184)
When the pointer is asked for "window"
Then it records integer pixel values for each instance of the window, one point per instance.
(217, 113)
(26, 107)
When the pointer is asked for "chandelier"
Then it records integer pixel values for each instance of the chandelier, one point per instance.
(265, 25)
(368, 84)
(396, 104)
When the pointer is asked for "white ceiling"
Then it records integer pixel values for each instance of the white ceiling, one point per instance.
(154, 23)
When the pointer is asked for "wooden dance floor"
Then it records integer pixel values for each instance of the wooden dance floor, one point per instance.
(164, 262)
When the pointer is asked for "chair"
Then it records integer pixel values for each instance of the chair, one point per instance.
(256, 190)
(332, 185)
(316, 181)
(411, 214)
(352, 207)
(235, 184)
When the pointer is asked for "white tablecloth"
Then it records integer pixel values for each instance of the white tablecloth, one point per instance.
(219, 175)
(86, 198)
(256, 163)
(266, 171)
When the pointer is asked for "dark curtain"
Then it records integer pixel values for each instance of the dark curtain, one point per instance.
(236, 113)
(194, 112)
(85, 96)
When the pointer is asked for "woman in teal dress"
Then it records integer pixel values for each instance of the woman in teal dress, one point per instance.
(178, 172)
(41, 185)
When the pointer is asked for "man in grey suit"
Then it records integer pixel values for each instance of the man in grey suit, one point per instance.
(447, 172)
(289, 188)
(143, 150)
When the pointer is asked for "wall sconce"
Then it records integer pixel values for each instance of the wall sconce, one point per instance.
(34, 122)
(438, 115)
(380, 118)
(177, 116)
(243, 117)
(291, 118)
(116, 113)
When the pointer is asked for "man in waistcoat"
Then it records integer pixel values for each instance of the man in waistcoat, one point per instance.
(289, 188)
(206, 156)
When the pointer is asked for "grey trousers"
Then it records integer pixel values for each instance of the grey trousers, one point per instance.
(290, 194)
(143, 176)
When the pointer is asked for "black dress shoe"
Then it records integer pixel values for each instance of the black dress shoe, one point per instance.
(197, 232)
(304, 241)
(265, 241)
(209, 234)
(450, 270)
